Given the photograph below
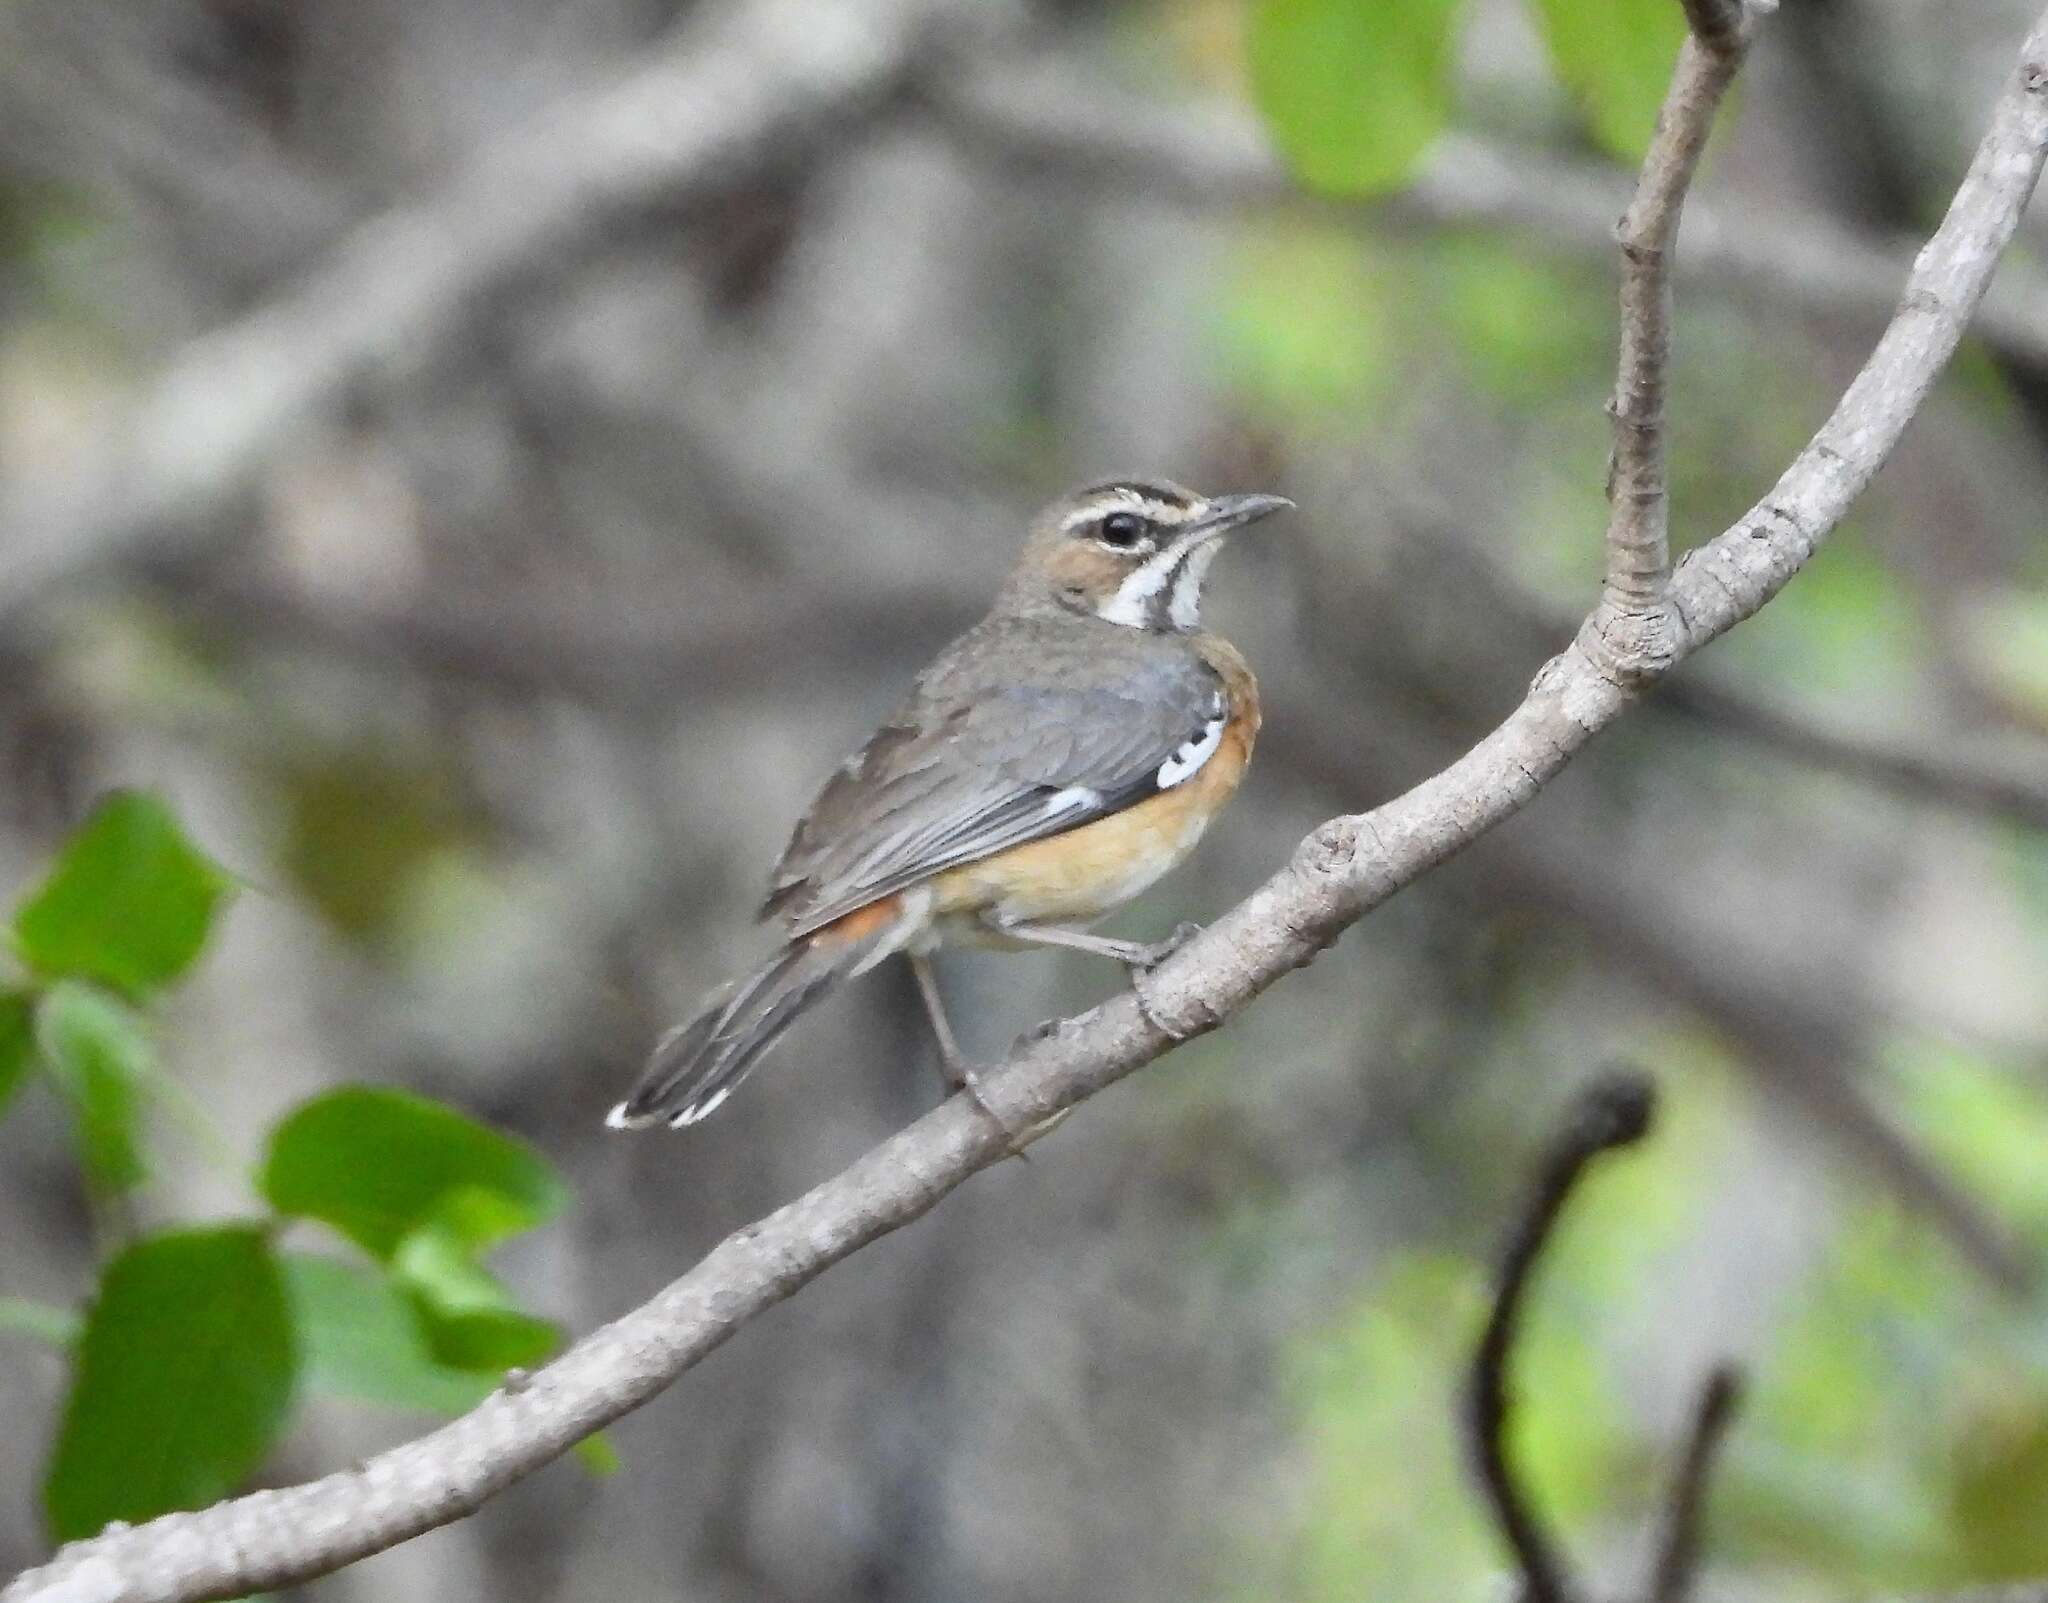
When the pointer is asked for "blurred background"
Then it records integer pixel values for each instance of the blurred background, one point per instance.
(484, 461)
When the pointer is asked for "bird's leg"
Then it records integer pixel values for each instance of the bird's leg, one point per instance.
(956, 1068)
(1140, 957)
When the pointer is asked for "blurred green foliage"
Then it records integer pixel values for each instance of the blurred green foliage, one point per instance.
(2006, 636)
(1355, 91)
(1614, 58)
(362, 828)
(1896, 1431)
(196, 1342)
(1303, 329)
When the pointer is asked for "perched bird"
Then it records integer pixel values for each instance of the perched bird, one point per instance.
(1053, 762)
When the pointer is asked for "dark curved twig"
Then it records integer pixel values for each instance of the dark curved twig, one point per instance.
(1612, 1112)
(1678, 1551)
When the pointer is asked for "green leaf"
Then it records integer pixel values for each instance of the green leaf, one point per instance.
(182, 1380)
(470, 1321)
(17, 1042)
(1354, 90)
(363, 1339)
(99, 1057)
(1615, 57)
(129, 900)
(54, 1327)
(379, 1165)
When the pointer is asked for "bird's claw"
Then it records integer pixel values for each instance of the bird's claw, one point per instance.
(962, 1075)
(1141, 965)
(1144, 959)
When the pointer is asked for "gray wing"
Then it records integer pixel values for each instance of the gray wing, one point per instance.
(955, 778)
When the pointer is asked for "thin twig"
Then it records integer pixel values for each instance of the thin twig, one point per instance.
(1678, 1551)
(1633, 633)
(1612, 1112)
(1342, 871)
(1717, 24)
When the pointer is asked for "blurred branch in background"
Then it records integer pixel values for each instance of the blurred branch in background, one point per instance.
(775, 88)
(1052, 120)
(1678, 1550)
(1345, 869)
(1614, 1111)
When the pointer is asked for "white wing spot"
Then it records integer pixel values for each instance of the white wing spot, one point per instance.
(701, 1110)
(1064, 801)
(1191, 755)
(617, 1120)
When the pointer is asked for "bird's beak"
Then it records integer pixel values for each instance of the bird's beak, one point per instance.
(1227, 512)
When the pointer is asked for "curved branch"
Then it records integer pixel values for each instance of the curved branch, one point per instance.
(1343, 870)
(1614, 1111)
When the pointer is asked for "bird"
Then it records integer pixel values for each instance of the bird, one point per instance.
(1049, 765)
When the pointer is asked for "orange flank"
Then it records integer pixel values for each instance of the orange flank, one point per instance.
(862, 922)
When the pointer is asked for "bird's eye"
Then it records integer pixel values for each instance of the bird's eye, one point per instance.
(1121, 529)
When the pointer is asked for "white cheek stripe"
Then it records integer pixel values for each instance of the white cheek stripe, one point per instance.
(1184, 762)
(1186, 607)
(1131, 606)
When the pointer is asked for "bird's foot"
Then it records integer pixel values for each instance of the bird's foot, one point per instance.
(1146, 956)
(961, 1074)
(1143, 961)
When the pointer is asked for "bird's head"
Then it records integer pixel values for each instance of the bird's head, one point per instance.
(1130, 551)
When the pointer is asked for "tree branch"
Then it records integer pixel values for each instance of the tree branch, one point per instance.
(1612, 1112)
(1639, 503)
(1679, 1550)
(1344, 869)
(776, 82)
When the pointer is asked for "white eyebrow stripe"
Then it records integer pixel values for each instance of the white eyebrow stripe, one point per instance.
(1124, 499)
(1185, 762)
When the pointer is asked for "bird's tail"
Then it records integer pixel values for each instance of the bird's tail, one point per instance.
(695, 1066)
